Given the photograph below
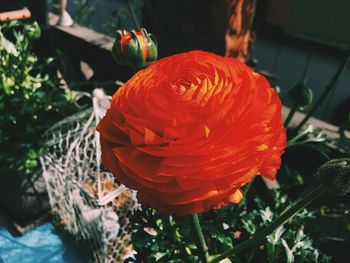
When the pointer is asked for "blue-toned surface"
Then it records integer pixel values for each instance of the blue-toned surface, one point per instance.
(41, 245)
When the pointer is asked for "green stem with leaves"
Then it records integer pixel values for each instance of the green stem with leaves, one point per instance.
(291, 114)
(200, 241)
(284, 217)
(328, 90)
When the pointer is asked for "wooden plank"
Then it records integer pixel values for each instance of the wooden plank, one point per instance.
(341, 138)
(15, 15)
(84, 44)
(88, 35)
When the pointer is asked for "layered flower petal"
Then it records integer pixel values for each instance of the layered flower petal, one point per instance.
(190, 130)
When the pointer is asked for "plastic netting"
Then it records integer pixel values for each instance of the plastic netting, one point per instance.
(86, 200)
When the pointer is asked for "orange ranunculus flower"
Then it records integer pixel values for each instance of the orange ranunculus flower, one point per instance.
(190, 130)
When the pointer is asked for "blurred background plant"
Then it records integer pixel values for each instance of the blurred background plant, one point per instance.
(31, 98)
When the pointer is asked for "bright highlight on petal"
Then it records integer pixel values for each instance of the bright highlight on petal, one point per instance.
(206, 130)
(190, 130)
(262, 147)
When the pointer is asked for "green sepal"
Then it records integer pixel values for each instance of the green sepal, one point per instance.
(134, 54)
(151, 45)
(301, 94)
(116, 49)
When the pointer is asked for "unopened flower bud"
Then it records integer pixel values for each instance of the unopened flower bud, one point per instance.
(335, 175)
(136, 49)
(301, 94)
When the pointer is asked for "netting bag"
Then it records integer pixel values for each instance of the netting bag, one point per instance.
(86, 201)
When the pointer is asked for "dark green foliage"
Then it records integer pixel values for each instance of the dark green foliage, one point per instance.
(31, 99)
(159, 238)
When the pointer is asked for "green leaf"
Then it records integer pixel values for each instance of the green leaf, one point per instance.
(225, 240)
(188, 250)
(249, 226)
(191, 245)
(289, 252)
(226, 260)
(160, 255)
(155, 247)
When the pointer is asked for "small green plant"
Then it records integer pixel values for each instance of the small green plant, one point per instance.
(31, 99)
(159, 238)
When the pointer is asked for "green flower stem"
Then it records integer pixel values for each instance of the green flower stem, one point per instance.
(328, 90)
(285, 216)
(245, 192)
(247, 188)
(133, 15)
(200, 241)
(290, 116)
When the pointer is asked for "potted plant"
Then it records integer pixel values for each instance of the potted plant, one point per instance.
(31, 100)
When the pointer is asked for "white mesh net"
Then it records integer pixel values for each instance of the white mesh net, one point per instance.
(86, 201)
